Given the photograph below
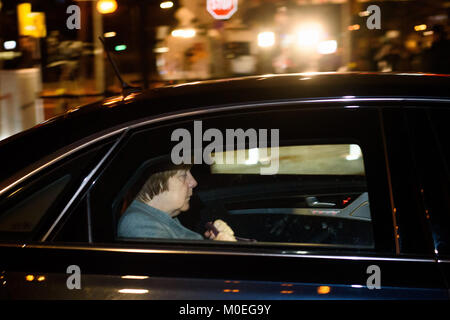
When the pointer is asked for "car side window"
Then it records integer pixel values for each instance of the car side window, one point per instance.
(329, 188)
(25, 215)
(431, 133)
(317, 196)
(28, 209)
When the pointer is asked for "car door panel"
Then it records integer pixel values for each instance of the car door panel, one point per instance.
(182, 270)
(184, 274)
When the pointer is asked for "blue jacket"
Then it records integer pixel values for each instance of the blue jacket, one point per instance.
(143, 221)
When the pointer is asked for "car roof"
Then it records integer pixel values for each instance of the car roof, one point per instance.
(84, 121)
(320, 85)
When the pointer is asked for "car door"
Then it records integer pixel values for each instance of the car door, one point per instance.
(106, 267)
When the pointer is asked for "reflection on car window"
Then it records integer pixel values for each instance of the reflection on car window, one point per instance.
(24, 216)
(318, 197)
(315, 159)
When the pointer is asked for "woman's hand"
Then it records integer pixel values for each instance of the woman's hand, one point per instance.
(222, 236)
(223, 227)
(225, 232)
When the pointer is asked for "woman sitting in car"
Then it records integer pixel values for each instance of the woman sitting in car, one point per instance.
(153, 214)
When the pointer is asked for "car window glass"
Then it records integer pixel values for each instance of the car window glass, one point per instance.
(318, 196)
(33, 205)
(319, 161)
(75, 227)
(24, 216)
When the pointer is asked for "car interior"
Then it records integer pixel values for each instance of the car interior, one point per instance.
(289, 208)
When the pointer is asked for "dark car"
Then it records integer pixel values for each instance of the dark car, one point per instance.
(357, 206)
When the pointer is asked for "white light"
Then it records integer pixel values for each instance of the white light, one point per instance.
(134, 277)
(327, 47)
(287, 40)
(356, 286)
(364, 13)
(183, 33)
(134, 291)
(9, 45)
(166, 5)
(266, 39)
(355, 152)
(161, 50)
(309, 35)
(253, 156)
(110, 34)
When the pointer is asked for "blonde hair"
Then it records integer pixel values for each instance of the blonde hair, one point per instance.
(158, 182)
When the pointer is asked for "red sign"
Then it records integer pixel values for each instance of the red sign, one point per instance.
(222, 9)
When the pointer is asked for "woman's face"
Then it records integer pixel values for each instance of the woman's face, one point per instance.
(179, 192)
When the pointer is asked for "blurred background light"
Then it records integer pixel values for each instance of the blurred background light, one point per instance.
(309, 35)
(364, 13)
(161, 50)
(420, 27)
(166, 5)
(106, 6)
(354, 27)
(9, 45)
(109, 34)
(120, 47)
(327, 47)
(266, 39)
(184, 33)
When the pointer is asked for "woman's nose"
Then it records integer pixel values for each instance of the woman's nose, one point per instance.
(192, 183)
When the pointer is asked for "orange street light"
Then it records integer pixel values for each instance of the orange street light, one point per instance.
(106, 6)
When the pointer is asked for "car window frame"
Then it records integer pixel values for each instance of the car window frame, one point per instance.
(388, 243)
